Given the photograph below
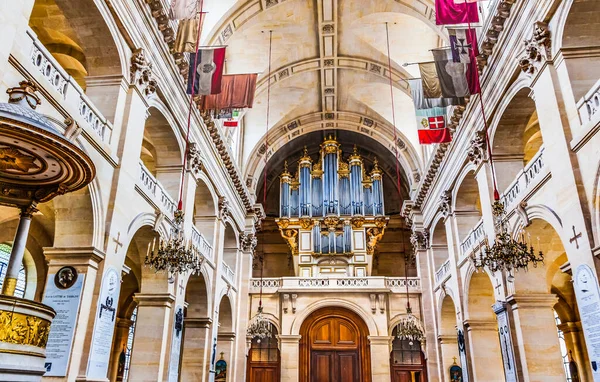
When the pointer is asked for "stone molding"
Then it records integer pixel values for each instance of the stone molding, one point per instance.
(477, 325)
(150, 299)
(380, 340)
(445, 339)
(571, 327)
(289, 338)
(532, 301)
(74, 256)
(200, 323)
(226, 336)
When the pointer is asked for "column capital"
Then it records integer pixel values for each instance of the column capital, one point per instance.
(380, 340)
(532, 301)
(478, 325)
(158, 299)
(447, 339)
(289, 338)
(124, 323)
(570, 327)
(203, 322)
(226, 336)
(74, 256)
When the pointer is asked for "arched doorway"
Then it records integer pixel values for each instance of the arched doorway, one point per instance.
(334, 347)
(264, 361)
(407, 360)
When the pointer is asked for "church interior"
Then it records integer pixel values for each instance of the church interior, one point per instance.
(300, 190)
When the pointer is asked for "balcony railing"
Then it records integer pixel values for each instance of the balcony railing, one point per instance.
(443, 272)
(200, 242)
(474, 237)
(336, 284)
(589, 106)
(155, 192)
(74, 100)
(228, 273)
(529, 175)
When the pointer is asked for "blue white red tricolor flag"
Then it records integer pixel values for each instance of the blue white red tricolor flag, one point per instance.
(208, 71)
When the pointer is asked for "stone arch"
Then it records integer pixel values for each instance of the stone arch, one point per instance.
(439, 242)
(447, 335)
(282, 134)
(367, 317)
(205, 208)
(516, 137)
(230, 247)
(577, 28)
(226, 314)
(75, 216)
(162, 149)
(482, 329)
(466, 202)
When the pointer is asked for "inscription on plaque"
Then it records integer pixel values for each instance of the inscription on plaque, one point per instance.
(588, 300)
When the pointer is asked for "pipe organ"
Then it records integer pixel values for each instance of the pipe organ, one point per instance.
(332, 212)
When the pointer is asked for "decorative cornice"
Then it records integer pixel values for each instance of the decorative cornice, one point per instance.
(420, 239)
(446, 203)
(477, 150)
(248, 242)
(229, 164)
(224, 209)
(195, 159)
(537, 49)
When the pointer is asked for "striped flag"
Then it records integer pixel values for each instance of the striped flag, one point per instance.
(207, 75)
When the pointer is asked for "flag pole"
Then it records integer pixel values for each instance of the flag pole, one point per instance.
(189, 119)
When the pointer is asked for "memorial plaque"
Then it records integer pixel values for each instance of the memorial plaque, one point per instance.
(506, 347)
(104, 326)
(63, 294)
(176, 345)
(588, 300)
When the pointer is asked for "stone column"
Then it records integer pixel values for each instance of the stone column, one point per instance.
(485, 356)
(18, 250)
(243, 311)
(380, 357)
(289, 348)
(120, 344)
(152, 330)
(86, 262)
(449, 347)
(576, 343)
(536, 338)
(196, 349)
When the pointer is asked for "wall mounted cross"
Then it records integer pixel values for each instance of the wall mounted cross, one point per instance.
(575, 238)
(118, 243)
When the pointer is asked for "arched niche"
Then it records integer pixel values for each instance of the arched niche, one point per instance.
(225, 315)
(162, 151)
(82, 37)
(467, 205)
(439, 244)
(205, 210)
(517, 138)
(447, 334)
(149, 280)
(230, 247)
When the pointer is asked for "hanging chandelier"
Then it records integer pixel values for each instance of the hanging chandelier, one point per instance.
(506, 254)
(259, 327)
(174, 255)
(410, 328)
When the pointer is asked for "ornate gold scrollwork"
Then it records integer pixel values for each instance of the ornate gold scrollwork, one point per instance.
(22, 329)
(331, 221)
(291, 236)
(283, 223)
(306, 223)
(374, 234)
(357, 222)
(380, 221)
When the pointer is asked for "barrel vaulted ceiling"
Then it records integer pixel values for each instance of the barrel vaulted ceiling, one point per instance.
(329, 67)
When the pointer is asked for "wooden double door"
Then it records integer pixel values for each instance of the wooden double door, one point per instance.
(334, 347)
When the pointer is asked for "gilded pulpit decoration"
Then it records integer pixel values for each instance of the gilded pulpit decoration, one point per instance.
(537, 49)
(15, 161)
(141, 72)
(331, 211)
(477, 151)
(21, 329)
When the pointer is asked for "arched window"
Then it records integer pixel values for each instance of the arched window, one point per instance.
(129, 344)
(263, 359)
(563, 348)
(4, 259)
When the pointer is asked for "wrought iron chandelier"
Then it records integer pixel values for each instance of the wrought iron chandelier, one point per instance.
(506, 254)
(174, 254)
(410, 328)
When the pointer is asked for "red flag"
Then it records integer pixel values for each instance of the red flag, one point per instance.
(432, 126)
(463, 43)
(230, 123)
(447, 12)
(208, 71)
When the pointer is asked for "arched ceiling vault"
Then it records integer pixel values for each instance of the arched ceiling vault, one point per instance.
(329, 69)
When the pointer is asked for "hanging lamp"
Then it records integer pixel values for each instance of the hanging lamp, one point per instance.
(174, 254)
(259, 327)
(410, 327)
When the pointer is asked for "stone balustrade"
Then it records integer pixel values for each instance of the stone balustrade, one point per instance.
(530, 175)
(443, 272)
(336, 284)
(76, 103)
(201, 244)
(154, 192)
(475, 236)
(589, 106)
(228, 273)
